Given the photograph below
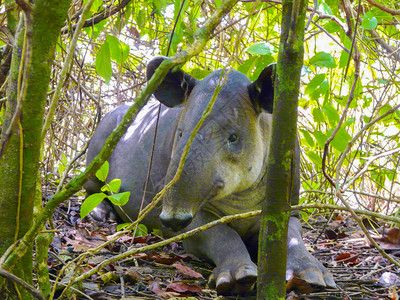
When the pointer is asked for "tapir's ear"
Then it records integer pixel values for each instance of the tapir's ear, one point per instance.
(176, 86)
(261, 91)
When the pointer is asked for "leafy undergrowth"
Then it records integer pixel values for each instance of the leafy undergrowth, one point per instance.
(359, 270)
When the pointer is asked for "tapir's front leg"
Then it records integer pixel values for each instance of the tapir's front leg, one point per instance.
(235, 272)
(301, 263)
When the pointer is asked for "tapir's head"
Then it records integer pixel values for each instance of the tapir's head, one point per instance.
(229, 152)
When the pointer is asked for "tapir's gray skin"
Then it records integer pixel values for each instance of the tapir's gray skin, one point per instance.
(223, 174)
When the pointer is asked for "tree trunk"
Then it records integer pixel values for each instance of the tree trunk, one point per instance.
(276, 207)
(21, 136)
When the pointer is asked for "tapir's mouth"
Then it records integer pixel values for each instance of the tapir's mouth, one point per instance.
(176, 221)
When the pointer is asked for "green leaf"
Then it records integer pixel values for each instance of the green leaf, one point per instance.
(200, 73)
(91, 202)
(326, 8)
(259, 49)
(308, 137)
(318, 115)
(369, 22)
(340, 140)
(141, 230)
(119, 51)
(122, 226)
(95, 5)
(102, 173)
(314, 83)
(320, 137)
(332, 27)
(309, 184)
(94, 31)
(160, 5)
(315, 158)
(323, 59)
(332, 115)
(384, 109)
(247, 66)
(120, 199)
(348, 122)
(103, 62)
(344, 58)
(113, 186)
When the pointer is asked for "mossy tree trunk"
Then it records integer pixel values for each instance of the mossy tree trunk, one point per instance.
(276, 207)
(20, 142)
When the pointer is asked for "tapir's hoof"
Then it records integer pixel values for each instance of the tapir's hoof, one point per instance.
(231, 280)
(310, 270)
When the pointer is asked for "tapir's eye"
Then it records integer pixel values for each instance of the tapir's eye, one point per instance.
(233, 139)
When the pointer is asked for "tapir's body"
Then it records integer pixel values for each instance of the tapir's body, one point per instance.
(223, 174)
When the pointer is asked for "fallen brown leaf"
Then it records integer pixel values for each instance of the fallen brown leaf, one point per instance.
(187, 271)
(183, 288)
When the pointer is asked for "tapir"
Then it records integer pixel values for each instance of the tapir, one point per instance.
(224, 172)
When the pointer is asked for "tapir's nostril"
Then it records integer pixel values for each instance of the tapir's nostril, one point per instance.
(176, 222)
(219, 183)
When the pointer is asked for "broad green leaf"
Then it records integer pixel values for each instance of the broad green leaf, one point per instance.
(141, 230)
(332, 115)
(200, 73)
(366, 119)
(314, 83)
(320, 137)
(141, 17)
(259, 65)
(315, 158)
(349, 122)
(102, 173)
(344, 58)
(323, 59)
(247, 66)
(259, 49)
(95, 5)
(160, 5)
(326, 9)
(384, 109)
(308, 137)
(122, 226)
(369, 22)
(332, 27)
(340, 140)
(309, 184)
(323, 89)
(119, 50)
(318, 115)
(91, 202)
(113, 186)
(120, 199)
(103, 62)
(93, 32)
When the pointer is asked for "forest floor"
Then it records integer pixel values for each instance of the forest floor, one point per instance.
(359, 270)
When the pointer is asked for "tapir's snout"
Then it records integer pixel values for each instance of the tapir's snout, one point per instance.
(176, 221)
